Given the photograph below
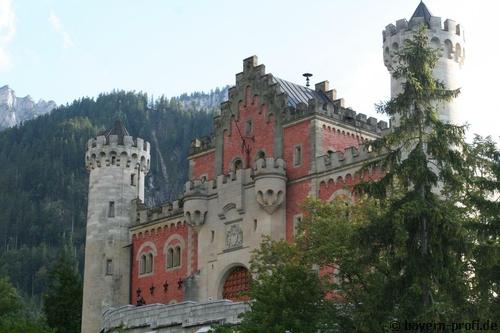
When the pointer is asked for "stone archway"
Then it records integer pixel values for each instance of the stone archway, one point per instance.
(237, 284)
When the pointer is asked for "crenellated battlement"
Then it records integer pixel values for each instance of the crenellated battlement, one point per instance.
(202, 144)
(167, 209)
(337, 112)
(434, 23)
(269, 166)
(349, 156)
(104, 151)
(447, 36)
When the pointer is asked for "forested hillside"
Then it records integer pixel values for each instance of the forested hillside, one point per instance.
(43, 181)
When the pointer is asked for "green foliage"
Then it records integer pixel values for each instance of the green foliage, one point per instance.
(63, 300)
(483, 197)
(420, 244)
(43, 183)
(12, 317)
(420, 238)
(10, 301)
(287, 295)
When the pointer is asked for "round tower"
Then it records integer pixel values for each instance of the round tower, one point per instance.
(448, 38)
(117, 164)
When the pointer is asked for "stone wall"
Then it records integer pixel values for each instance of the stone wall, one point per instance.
(186, 317)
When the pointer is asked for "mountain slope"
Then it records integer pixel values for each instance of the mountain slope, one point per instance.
(14, 110)
(43, 183)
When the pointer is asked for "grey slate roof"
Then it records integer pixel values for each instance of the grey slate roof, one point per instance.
(118, 129)
(299, 94)
(422, 11)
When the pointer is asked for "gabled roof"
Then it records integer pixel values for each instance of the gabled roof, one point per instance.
(422, 11)
(299, 94)
(118, 129)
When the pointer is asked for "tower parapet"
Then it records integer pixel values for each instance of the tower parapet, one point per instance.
(196, 202)
(448, 38)
(117, 164)
(270, 183)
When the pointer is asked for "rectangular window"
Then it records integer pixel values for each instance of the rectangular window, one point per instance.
(109, 267)
(297, 155)
(132, 179)
(297, 219)
(248, 127)
(111, 210)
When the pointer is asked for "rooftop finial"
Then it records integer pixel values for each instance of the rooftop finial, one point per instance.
(307, 76)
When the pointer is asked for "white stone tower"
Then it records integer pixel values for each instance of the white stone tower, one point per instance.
(449, 39)
(117, 164)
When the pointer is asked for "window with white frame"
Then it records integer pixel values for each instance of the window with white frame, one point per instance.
(174, 257)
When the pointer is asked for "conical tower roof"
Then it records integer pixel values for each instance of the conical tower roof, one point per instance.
(119, 130)
(422, 11)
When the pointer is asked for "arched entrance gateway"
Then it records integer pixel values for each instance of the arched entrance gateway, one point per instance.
(237, 284)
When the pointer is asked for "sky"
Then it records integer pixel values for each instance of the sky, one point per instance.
(66, 49)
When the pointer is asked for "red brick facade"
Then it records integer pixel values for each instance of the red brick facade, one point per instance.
(336, 139)
(203, 165)
(297, 136)
(257, 121)
(164, 283)
(256, 126)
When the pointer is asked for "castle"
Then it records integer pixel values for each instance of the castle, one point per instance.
(275, 143)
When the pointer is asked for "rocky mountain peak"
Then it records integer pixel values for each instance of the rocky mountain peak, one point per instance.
(14, 110)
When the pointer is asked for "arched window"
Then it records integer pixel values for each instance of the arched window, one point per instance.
(145, 258)
(149, 263)
(170, 258)
(458, 52)
(142, 264)
(177, 256)
(237, 164)
(448, 48)
(261, 154)
(435, 43)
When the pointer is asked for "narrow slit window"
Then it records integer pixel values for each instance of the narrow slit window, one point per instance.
(113, 160)
(248, 127)
(111, 210)
(297, 219)
(109, 267)
(297, 155)
(213, 236)
(132, 179)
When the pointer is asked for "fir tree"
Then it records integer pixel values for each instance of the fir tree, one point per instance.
(13, 318)
(421, 236)
(63, 300)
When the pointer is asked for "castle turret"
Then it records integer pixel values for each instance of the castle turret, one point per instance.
(117, 164)
(448, 38)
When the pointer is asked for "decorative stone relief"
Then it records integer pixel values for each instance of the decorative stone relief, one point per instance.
(234, 236)
(270, 200)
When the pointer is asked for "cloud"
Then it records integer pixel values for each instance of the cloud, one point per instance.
(7, 32)
(59, 29)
